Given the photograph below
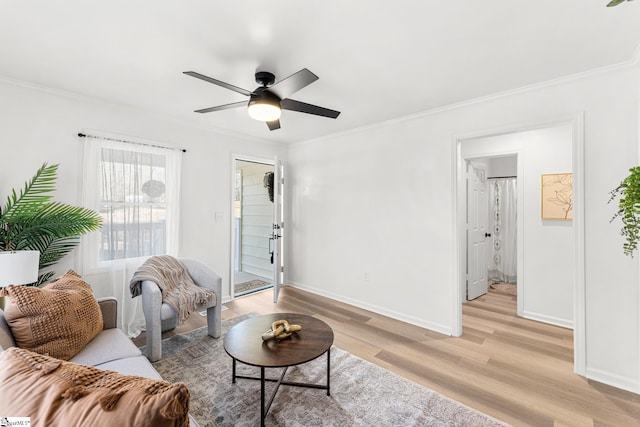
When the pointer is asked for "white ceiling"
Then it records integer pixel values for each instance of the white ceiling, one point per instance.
(377, 60)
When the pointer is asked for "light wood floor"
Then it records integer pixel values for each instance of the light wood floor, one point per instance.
(513, 369)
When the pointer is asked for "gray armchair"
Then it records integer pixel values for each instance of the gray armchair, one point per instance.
(161, 317)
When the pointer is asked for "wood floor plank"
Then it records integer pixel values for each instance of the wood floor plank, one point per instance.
(466, 352)
(513, 369)
(517, 332)
(473, 391)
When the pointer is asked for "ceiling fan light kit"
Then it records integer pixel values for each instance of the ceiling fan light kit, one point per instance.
(264, 106)
(263, 111)
(267, 101)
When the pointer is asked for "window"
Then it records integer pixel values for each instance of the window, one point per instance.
(134, 188)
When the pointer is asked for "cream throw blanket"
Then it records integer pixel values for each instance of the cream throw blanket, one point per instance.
(177, 288)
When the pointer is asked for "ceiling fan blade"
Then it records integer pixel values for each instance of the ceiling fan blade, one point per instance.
(223, 107)
(273, 125)
(303, 107)
(293, 83)
(218, 82)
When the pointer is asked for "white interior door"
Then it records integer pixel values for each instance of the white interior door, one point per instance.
(477, 213)
(278, 227)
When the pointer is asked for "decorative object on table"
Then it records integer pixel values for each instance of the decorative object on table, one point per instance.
(628, 193)
(30, 220)
(557, 196)
(280, 329)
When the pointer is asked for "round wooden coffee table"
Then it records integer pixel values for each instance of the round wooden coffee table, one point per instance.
(244, 344)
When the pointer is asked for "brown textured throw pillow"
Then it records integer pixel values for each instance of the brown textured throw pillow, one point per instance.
(55, 393)
(58, 319)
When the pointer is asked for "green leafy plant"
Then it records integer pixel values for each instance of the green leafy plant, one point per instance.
(30, 220)
(628, 193)
(616, 2)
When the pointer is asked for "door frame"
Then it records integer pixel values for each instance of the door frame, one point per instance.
(460, 205)
(278, 227)
(235, 158)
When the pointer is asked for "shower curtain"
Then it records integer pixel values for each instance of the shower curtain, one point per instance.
(502, 221)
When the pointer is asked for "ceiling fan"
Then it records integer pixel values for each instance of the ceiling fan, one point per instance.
(267, 101)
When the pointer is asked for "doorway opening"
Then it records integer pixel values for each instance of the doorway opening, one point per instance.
(252, 227)
(502, 261)
(553, 288)
(492, 226)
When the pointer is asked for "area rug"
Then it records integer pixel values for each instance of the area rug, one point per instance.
(250, 286)
(505, 288)
(362, 394)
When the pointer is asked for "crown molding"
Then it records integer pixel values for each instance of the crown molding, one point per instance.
(631, 63)
(75, 96)
(621, 66)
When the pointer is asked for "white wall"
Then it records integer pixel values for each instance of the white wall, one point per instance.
(380, 201)
(502, 166)
(547, 281)
(38, 126)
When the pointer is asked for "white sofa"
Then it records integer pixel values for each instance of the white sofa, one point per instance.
(111, 349)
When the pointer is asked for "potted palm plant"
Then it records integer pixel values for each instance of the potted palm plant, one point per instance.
(30, 220)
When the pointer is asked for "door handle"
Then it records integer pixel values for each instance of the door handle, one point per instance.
(271, 249)
(487, 234)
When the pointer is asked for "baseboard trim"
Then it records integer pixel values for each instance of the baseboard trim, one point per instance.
(612, 379)
(563, 323)
(433, 326)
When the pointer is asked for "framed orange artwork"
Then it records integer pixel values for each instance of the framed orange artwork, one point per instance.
(557, 196)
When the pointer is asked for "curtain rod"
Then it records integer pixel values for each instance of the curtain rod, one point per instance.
(82, 135)
(502, 177)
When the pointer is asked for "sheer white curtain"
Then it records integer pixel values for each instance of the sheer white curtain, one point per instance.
(135, 188)
(502, 220)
